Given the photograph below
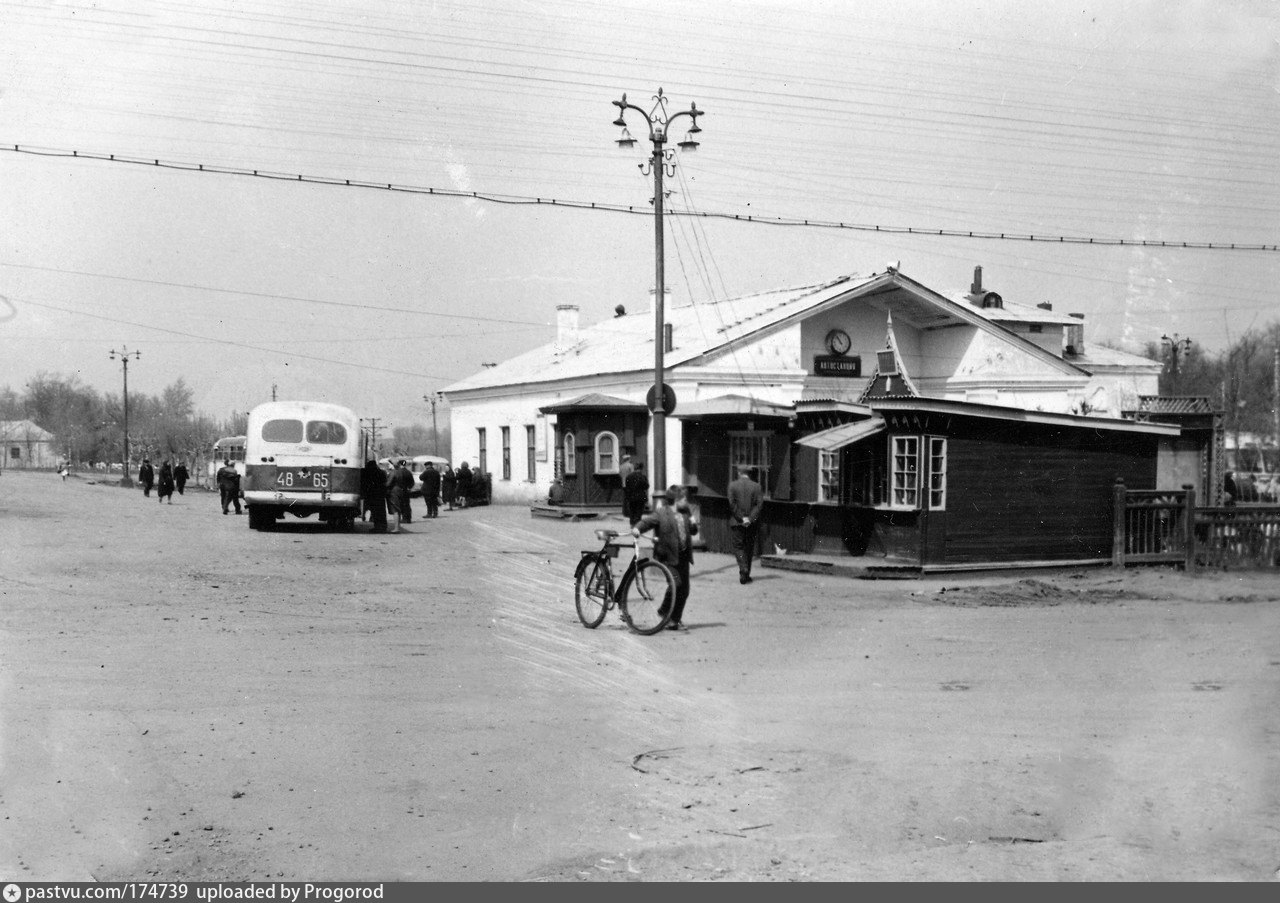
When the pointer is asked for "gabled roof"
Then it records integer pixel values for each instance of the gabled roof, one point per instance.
(707, 329)
(593, 401)
(26, 430)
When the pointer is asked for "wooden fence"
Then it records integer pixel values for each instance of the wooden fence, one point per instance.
(1166, 527)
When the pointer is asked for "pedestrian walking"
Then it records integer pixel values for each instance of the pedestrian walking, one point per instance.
(635, 493)
(399, 485)
(373, 492)
(64, 470)
(146, 476)
(746, 500)
(164, 488)
(674, 529)
(229, 486)
(465, 480)
(624, 471)
(431, 489)
(449, 485)
(180, 476)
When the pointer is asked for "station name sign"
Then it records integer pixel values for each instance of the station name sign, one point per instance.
(837, 365)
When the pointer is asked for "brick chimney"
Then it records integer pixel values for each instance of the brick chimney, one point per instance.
(566, 326)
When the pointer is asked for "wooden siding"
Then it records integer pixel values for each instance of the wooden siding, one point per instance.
(1019, 492)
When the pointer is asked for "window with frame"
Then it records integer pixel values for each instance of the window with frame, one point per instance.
(750, 450)
(606, 453)
(829, 476)
(904, 472)
(570, 455)
(506, 452)
(531, 452)
(483, 458)
(937, 473)
(15, 452)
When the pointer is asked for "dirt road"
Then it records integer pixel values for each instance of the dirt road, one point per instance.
(183, 698)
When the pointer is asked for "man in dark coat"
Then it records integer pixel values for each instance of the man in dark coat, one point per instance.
(373, 490)
(746, 501)
(398, 488)
(674, 530)
(431, 489)
(229, 486)
(465, 479)
(635, 493)
(180, 476)
(146, 476)
(164, 489)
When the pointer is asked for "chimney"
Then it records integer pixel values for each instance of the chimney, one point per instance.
(1045, 305)
(1075, 335)
(976, 288)
(668, 337)
(980, 297)
(566, 326)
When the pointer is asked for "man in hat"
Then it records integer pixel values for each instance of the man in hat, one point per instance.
(229, 486)
(746, 500)
(635, 493)
(674, 530)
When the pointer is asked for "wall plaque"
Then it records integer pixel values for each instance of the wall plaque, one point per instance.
(837, 365)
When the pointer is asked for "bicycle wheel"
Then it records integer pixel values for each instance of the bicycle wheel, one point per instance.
(646, 596)
(591, 591)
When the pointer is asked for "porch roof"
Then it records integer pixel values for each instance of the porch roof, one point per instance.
(732, 406)
(842, 435)
(594, 401)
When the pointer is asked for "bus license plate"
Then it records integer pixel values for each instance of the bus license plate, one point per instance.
(302, 479)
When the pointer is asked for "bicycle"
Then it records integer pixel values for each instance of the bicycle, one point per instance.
(643, 594)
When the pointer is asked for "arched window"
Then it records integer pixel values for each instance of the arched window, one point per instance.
(570, 455)
(606, 453)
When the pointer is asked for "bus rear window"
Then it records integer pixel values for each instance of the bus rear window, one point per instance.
(326, 432)
(282, 431)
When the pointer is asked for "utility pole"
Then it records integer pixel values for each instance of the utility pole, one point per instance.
(435, 435)
(661, 160)
(125, 354)
(1177, 347)
(373, 430)
(1275, 401)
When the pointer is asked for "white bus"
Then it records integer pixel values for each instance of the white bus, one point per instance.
(228, 448)
(303, 458)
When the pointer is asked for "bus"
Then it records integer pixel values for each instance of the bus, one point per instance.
(228, 448)
(303, 458)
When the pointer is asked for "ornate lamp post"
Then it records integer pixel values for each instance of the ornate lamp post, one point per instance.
(661, 161)
(1177, 347)
(124, 354)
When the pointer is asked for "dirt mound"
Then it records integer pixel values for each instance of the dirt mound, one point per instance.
(1023, 593)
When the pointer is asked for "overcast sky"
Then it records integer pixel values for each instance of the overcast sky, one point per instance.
(1149, 121)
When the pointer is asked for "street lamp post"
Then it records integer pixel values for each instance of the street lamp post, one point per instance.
(661, 161)
(435, 435)
(124, 354)
(1177, 347)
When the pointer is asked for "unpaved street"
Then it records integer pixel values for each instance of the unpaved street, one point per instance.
(183, 698)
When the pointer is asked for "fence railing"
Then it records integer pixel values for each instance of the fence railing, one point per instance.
(1166, 527)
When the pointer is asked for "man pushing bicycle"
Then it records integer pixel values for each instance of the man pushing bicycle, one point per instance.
(674, 530)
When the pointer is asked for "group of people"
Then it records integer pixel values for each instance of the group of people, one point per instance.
(388, 494)
(674, 527)
(171, 477)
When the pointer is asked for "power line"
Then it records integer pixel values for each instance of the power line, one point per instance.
(529, 200)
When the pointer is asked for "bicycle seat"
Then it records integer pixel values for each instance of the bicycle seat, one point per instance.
(606, 535)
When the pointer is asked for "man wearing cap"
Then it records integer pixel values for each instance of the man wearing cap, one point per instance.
(674, 530)
(746, 500)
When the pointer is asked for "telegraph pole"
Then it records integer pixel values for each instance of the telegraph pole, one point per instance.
(125, 354)
(435, 435)
(373, 430)
(662, 159)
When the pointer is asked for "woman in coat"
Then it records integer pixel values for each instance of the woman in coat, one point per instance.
(398, 488)
(448, 485)
(164, 489)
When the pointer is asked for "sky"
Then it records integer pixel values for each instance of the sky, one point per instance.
(1134, 121)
